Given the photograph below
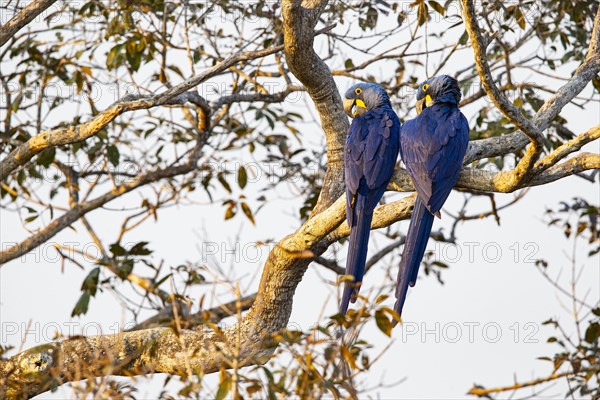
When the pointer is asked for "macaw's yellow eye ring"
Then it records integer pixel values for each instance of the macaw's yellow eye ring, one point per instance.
(425, 87)
(358, 90)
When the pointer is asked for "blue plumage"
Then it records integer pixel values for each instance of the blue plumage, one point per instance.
(369, 160)
(432, 147)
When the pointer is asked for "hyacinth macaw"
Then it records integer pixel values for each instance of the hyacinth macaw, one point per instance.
(432, 147)
(369, 159)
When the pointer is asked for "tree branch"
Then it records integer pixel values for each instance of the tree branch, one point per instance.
(166, 350)
(213, 315)
(80, 209)
(498, 146)
(522, 170)
(24, 17)
(490, 181)
(581, 162)
(480, 391)
(256, 97)
(300, 19)
(567, 148)
(78, 133)
(176, 95)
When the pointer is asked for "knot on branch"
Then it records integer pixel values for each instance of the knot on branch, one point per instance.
(508, 181)
(37, 363)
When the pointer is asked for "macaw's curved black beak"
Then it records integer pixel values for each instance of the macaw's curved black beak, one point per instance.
(349, 107)
(354, 107)
(421, 104)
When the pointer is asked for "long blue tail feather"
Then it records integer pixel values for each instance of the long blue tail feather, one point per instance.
(414, 249)
(357, 250)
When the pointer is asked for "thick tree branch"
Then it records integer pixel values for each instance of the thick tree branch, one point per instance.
(35, 370)
(80, 209)
(166, 350)
(523, 168)
(24, 17)
(212, 315)
(489, 181)
(580, 163)
(567, 148)
(498, 146)
(300, 19)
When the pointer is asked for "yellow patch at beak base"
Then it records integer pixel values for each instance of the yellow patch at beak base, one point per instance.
(428, 100)
(360, 103)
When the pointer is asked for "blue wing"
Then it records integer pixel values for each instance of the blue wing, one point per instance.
(369, 160)
(432, 147)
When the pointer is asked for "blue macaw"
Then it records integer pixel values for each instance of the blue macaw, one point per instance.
(369, 159)
(432, 147)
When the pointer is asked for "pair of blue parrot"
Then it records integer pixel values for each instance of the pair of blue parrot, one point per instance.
(432, 147)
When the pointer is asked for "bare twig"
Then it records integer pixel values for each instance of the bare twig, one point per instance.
(479, 391)
(567, 148)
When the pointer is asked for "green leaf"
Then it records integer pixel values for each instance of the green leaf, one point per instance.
(117, 250)
(422, 13)
(348, 64)
(463, 38)
(401, 18)
(90, 283)
(31, 219)
(242, 177)
(592, 332)
(383, 323)
(134, 56)
(437, 7)
(46, 157)
(162, 280)
(125, 269)
(270, 121)
(225, 184)
(139, 249)
(114, 57)
(81, 307)
(520, 18)
(224, 385)
(14, 106)
(248, 212)
(113, 155)
(230, 212)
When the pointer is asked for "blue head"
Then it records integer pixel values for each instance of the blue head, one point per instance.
(439, 89)
(364, 97)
